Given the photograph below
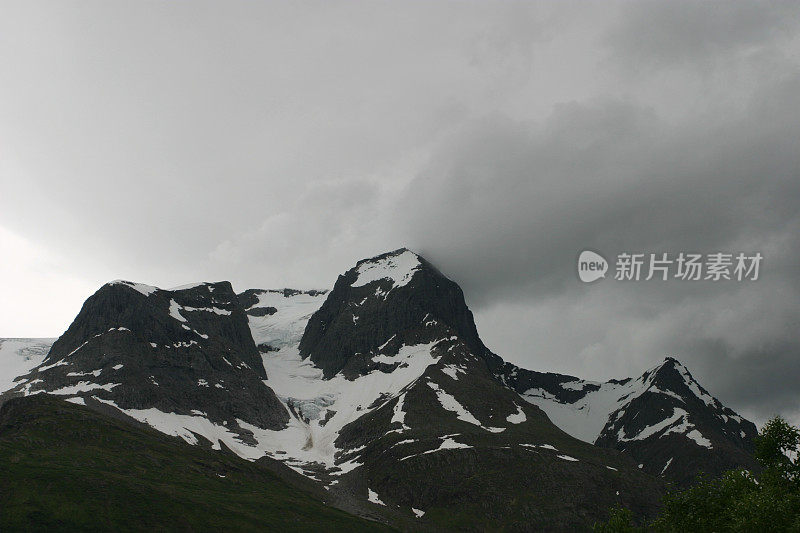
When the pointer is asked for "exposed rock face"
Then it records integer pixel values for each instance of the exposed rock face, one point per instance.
(184, 351)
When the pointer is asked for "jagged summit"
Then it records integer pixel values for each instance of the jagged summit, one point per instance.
(670, 363)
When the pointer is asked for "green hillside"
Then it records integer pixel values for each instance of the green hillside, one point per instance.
(65, 467)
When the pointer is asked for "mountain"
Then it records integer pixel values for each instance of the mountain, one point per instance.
(382, 393)
(664, 419)
(392, 300)
(187, 351)
(439, 436)
(68, 468)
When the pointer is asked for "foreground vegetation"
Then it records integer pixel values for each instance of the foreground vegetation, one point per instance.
(738, 500)
(66, 468)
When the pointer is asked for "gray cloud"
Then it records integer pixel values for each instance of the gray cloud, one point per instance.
(652, 35)
(513, 203)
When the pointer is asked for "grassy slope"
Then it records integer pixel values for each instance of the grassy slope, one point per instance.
(65, 467)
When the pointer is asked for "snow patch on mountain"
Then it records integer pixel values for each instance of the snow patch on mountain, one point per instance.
(192, 286)
(61, 362)
(372, 496)
(677, 423)
(286, 325)
(518, 417)
(451, 404)
(585, 418)
(398, 268)
(399, 415)
(146, 290)
(449, 444)
(187, 427)
(454, 371)
(20, 356)
(543, 446)
(176, 312)
(95, 373)
(83, 386)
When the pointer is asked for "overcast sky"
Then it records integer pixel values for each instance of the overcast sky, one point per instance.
(276, 143)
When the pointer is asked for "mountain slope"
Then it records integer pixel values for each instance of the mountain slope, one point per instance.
(65, 467)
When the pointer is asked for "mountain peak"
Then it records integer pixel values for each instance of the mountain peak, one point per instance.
(142, 288)
(673, 375)
(385, 255)
(147, 290)
(671, 362)
(670, 372)
(397, 296)
(399, 266)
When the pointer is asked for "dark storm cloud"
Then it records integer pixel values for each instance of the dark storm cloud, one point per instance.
(653, 35)
(764, 379)
(509, 205)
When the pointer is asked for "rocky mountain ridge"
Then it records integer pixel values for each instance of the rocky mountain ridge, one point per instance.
(664, 418)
